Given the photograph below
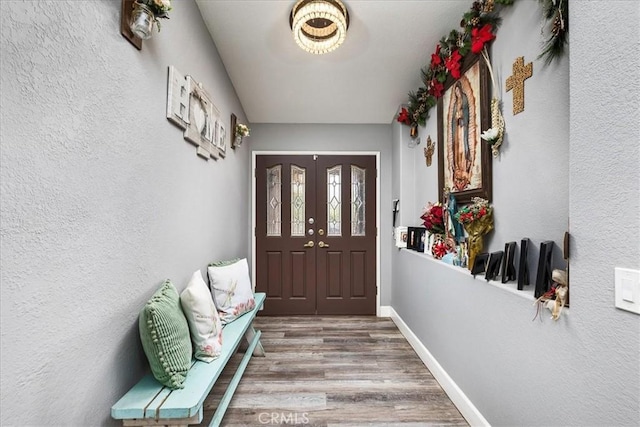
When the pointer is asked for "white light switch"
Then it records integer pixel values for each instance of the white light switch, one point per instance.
(627, 289)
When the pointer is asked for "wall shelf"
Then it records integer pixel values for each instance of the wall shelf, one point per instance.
(507, 287)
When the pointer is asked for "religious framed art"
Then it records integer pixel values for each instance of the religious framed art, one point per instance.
(464, 159)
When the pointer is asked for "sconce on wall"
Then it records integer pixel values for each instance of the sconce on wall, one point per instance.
(319, 26)
(139, 17)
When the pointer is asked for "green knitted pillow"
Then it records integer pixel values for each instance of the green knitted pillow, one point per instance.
(223, 263)
(164, 333)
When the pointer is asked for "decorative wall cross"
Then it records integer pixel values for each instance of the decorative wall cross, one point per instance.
(428, 150)
(521, 72)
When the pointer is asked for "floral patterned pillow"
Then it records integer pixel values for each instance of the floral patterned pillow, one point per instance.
(231, 289)
(204, 323)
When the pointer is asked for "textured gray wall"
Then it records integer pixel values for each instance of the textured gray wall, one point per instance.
(585, 368)
(102, 199)
(310, 137)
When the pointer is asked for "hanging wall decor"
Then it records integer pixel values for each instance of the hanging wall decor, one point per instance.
(429, 150)
(521, 72)
(222, 140)
(178, 96)
(479, 27)
(464, 162)
(203, 117)
(138, 18)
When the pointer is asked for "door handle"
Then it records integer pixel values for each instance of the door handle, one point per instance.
(322, 244)
(309, 244)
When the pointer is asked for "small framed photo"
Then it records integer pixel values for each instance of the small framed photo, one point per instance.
(222, 140)
(402, 235)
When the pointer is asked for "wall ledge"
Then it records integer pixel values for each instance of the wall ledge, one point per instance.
(457, 396)
(509, 287)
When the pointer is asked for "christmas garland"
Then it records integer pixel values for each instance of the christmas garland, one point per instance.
(556, 12)
(478, 25)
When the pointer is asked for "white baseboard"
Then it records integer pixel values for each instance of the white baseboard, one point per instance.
(462, 402)
(385, 311)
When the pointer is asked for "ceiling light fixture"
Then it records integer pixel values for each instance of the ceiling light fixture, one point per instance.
(319, 26)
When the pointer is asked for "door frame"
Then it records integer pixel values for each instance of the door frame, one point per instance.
(254, 155)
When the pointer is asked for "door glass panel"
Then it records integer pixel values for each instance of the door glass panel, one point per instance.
(274, 201)
(357, 201)
(297, 201)
(334, 202)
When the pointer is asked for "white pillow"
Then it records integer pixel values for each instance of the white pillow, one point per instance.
(203, 319)
(231, 289)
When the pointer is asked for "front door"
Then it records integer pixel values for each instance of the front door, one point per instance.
(316, 234)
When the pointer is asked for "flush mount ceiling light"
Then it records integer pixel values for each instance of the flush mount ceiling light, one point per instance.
(319, 26)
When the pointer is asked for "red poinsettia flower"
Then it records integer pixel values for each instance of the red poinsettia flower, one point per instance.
(435, 57)
(403, 116)
(480, 36)
(436, 88)
(453, 64)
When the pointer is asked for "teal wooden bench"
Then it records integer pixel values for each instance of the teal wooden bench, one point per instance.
(149, 403)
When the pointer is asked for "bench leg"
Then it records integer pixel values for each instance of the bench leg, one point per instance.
(249, 336)
(233, 384)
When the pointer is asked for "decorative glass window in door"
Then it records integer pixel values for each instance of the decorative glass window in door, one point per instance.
(297, 200)
(274, 201)
(358, 202)
(334, 201)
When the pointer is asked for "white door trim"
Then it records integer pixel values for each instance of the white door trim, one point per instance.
(254, 155)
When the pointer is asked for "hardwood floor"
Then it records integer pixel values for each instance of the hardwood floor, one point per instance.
(334, 371)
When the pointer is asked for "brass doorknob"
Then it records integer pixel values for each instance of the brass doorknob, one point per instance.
(322, 244)
(309, 244)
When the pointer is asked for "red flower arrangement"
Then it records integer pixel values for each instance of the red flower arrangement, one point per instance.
(477, 220)
(433, 218)
(470, 213)
(403, 116)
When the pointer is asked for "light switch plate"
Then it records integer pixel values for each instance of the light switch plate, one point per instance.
(627, 290)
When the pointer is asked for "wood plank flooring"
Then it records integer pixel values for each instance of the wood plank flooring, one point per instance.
(329, 371)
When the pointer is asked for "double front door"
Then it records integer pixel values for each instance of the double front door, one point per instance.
(316, 234)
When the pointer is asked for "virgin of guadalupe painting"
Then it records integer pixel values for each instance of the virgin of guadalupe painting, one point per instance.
(463, 113)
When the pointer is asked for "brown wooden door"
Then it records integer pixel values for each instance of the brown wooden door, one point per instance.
(316, 234)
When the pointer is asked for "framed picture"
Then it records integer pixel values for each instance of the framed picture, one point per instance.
(464, 159)
(203, 115)
(401, 237)
(232, 130)
(222, 140)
